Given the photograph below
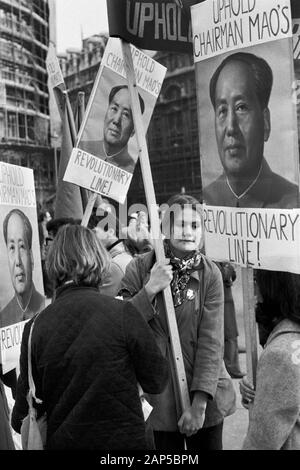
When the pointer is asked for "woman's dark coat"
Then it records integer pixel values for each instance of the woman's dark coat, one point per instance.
(88, 353)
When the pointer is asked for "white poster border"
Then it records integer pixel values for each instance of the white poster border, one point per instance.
(255, 238)
(221, 26)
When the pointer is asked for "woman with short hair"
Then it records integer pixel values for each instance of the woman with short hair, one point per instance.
(89, 351)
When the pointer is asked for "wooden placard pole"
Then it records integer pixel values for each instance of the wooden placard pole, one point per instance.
(81, 108)
(80, 115)
(155, 225)
(88, 197)
(88, 209)
(87, 201)
(71, 118)
(58, 95)
(250, 323)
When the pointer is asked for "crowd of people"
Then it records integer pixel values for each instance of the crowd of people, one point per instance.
(99, 352)
(101, 348)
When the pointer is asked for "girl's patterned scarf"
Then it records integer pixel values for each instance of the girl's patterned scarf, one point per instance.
(182, 270)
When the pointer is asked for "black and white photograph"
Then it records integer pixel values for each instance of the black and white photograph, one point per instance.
(149, 231)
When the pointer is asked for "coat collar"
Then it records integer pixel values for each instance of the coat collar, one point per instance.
(66, 288)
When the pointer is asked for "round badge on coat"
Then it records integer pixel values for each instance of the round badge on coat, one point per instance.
(190, 294)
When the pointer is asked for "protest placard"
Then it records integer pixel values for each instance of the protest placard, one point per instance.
(56, 83)
(70, 200)
(249, 153)
(257, 238)
(223, 26)
(154, 25)
(54, 72)
(296, 52)
(21, 285)
(106, 151)
(11, 338)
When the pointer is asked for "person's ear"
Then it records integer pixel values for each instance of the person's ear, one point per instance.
(267, 124)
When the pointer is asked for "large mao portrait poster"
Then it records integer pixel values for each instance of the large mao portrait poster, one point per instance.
(21, 281)
(248, 132)
(106, 151)
(296, 52)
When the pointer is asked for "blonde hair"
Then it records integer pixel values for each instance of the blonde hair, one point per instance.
(77, 255)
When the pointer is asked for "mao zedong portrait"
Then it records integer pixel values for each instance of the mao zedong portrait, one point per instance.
(118, 128)
(26, 302)
(240, 89)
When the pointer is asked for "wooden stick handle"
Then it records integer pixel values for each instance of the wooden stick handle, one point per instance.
(88, 209)
(250, 323)
(155, 225)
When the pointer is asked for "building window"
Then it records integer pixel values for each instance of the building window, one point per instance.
(22, 126)
(12, 125)
(30, 127)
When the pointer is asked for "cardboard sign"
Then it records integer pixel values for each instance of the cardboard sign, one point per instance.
(247, 124)
(11, 338)
(53, 68)
(21, 280)
(220, 26)
(264, 238)
(163, 25)
(106, 151)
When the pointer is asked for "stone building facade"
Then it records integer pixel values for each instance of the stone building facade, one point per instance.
(24, 99)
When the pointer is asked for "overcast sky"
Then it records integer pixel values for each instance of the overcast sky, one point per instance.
(76, 17)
